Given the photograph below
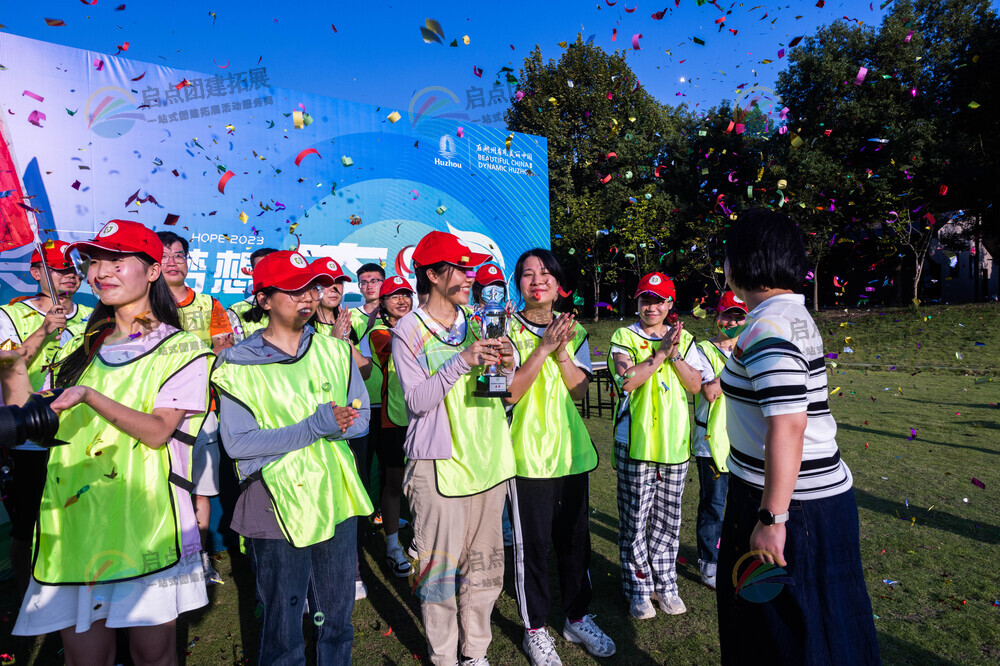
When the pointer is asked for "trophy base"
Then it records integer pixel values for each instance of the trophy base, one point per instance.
(491, 387)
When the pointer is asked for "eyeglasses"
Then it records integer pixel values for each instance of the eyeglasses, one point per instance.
(178, 258)
(372, 282)
(404, 296)
(301, 294)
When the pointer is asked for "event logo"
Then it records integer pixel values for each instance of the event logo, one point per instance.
(109, 229)
(758, 582)
(298, 260)
(446, 146)
(438, 577)
(112, 112)
(434, 102)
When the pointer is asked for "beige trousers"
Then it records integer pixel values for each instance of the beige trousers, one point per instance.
(459, 572)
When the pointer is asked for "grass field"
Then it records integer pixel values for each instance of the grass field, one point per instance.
(924, 524)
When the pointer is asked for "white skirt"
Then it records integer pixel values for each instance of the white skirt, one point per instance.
(142, 602)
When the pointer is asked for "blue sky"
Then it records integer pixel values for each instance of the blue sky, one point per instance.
(377, 55)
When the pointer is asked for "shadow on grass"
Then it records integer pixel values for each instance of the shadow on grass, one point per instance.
(398, 618)
(906, 653)
(918, 440)
(941, 520)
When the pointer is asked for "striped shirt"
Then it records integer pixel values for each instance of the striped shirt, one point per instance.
(778, 368)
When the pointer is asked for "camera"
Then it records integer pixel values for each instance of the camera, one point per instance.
(34, 421)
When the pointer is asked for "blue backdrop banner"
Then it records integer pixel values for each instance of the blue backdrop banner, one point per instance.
(234, 163)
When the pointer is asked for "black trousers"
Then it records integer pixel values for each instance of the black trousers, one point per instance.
(553, 512)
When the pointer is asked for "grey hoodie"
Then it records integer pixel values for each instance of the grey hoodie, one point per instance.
(253, 447)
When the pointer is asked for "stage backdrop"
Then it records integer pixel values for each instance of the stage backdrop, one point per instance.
(235, 163)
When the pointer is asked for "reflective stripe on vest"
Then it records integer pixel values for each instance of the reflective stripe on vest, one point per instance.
(549, 436)
(359, 322)
(481, 452)
(392, 397)
(317, 487)
(659, 425)
(27, 320)
(716, 434)
(108, 508)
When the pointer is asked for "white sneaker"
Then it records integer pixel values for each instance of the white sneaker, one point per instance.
(642, 609)
(590, 636)
(670, 605)
(360, 591)
(709, 581)
(479, 661)
(397, 562)
(541, 648)
(411, 551)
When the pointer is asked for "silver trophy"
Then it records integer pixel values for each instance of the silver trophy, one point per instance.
(493, 324)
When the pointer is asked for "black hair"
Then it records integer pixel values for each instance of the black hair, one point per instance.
(169, 238)
(423, 283)
(765, 251)
(548, 260)
(370, 268)
(102, 323)
(261, 253)
(256, 313)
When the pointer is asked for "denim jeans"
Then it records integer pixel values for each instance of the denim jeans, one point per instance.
(285, 576)
(711, 505)
(816, 612)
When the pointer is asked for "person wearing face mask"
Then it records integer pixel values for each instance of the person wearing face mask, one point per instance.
(116, 541)
(236, 312)
(550, 496)
(652, 369)
(38, 327)
(289, 401)
(709, 439)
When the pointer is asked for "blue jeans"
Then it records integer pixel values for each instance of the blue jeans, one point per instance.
(285, 576)
(711, 504)
(816, 610)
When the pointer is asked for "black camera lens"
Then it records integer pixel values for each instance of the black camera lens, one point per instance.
(34, 421)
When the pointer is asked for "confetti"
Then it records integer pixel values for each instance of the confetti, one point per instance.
(346, 161)
(222, 181)
(36, 118)
(394, 117)
(37, 98)
(308, 151)
(55, 23)
(356, 403)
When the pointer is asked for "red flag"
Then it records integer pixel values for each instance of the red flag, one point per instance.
(15, 229)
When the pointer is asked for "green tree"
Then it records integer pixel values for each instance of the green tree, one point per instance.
(606, 136)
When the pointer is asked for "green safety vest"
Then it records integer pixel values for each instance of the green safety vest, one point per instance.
(27, 320)
(392, 400)
(196, 317)
(241, 308)
(659, 426)
(481, 453)
(108, 500)
(359, 322)
(317, 487)
(550, 438)
(716, 435)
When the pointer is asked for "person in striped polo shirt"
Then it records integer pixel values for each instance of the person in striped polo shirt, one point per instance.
(791, 503)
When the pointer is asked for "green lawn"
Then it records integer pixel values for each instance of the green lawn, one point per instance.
(924, 523)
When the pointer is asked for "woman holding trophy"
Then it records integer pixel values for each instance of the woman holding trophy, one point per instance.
(554, 455)
(458, 450)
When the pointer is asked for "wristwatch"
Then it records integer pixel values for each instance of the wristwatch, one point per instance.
(676, 358)
(767, 518)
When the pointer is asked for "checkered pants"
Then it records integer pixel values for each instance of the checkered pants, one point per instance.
(649, 524)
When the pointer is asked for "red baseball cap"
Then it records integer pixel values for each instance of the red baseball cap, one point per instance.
(287, 270)
(55, 256)
(657, 284)
(122, 236)
(394, 284)
(440, 246)
(327, 266)
(489, 274)
(730, 302)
